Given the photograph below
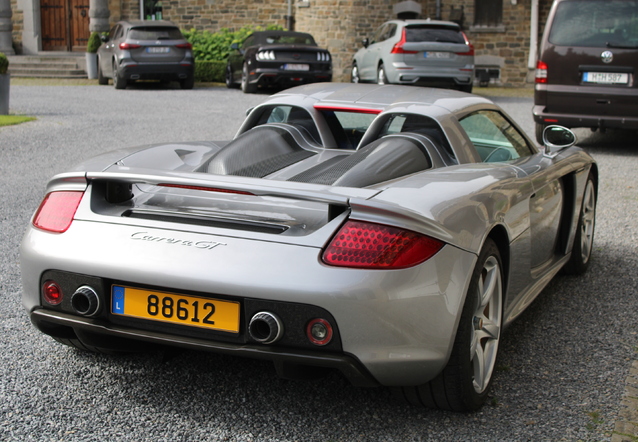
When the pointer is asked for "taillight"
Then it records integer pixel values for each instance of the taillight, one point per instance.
(541, 72)
(360, 244)
(184, 46)
(129, 46)
(469, 45)
(57, 210)
(398, 47)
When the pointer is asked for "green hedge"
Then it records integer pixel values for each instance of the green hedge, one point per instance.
(209, 71)
(93, 43)
(4, 63)
(216, 46)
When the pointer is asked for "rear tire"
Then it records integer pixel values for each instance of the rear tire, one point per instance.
(354, 75)
(246, 86)
(119, 82)
(101, 79)
(465, 382)
(187, 83)
(230, 82)
(381, 77)
(584, 237)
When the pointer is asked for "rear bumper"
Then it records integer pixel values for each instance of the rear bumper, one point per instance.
(102, 334)
(266, 77)
(157, 71)
(586, 106)
(402, 73)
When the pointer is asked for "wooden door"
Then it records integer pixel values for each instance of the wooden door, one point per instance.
(65, 25)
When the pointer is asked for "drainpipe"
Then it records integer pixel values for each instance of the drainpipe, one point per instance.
(533, 37)
(289, 19)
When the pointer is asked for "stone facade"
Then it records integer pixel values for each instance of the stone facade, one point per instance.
(340, 25)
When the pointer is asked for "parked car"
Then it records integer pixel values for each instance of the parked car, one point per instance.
(587, 70)
(145, 50)
(423, 52)
(388, 232)
(277, 58)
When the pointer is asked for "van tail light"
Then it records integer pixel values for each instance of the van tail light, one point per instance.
(470, 51)
(541, 72)
(360, 244)
(129, 46)
(398, 47)
(57, 210)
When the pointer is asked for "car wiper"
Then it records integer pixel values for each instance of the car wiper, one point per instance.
(620, 46)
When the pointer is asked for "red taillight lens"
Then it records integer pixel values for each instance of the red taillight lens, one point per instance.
(367, 245)
(57, 210)
(184, 46)
(52, 293)
(129, 46)
(469, 45)
(398, 47)
(541, 72)
(319, 331)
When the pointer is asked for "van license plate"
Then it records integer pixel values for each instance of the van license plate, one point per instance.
(605, 78)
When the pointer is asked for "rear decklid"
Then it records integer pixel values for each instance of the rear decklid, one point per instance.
(435, 45)
(157, 44)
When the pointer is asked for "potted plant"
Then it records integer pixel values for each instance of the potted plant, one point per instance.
(4, 84)
(91, 55)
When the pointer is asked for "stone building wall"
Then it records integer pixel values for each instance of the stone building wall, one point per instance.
(17, 20)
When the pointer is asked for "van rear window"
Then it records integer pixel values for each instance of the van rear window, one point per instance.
(597, 23)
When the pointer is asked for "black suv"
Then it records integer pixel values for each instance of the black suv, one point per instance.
(587, 66)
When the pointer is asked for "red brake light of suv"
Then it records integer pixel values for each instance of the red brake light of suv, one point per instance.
(541, 72)
(129, 46)
(57, 210)
(184, 46)
(365, 245)
(398, 47)
(470, 51)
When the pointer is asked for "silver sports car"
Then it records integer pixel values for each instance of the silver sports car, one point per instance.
(388, 232)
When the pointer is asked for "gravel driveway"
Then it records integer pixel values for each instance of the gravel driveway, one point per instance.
(563, 365)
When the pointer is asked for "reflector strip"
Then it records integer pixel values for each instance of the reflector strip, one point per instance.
(358, 110)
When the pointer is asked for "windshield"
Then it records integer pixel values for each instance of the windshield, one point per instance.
(599, 23)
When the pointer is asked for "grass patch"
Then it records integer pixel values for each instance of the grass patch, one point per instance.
(8, 120)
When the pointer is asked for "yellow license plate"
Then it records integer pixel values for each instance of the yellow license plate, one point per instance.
(193, 311)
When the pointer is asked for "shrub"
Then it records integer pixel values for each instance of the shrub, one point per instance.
(94, 43)
(4, 63)
(210, 46)
(209, 71)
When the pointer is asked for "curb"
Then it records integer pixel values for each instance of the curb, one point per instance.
(626, 429)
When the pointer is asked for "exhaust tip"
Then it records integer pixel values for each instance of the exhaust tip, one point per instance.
(265, 327)
(85, 301)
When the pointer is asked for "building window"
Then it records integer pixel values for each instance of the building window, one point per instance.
(488, 13)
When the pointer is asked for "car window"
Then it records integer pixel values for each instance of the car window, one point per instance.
(416, 123)
(379, 35)
(599, 23)
(293, 115)
(116, 32)
(443, 34)
(287, 39)
(248, 42)
(155, 33)
(494, 137)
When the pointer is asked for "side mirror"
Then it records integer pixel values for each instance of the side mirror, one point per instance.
(104, 38)
(557, 138)
(365, 42)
